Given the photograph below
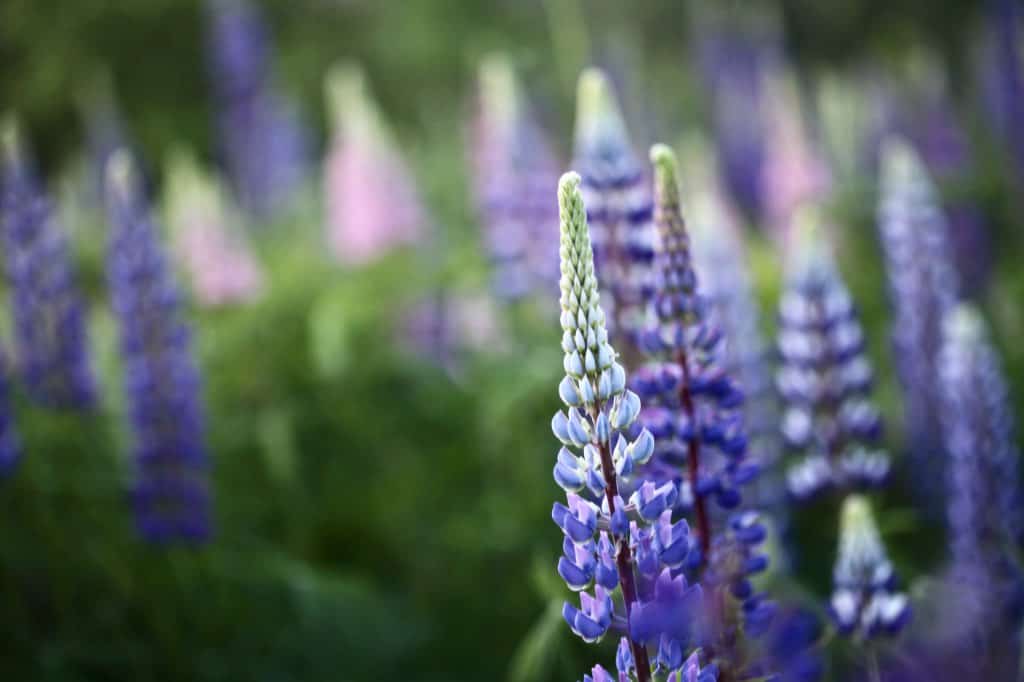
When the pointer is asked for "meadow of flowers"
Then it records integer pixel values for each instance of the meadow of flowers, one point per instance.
(685, 360)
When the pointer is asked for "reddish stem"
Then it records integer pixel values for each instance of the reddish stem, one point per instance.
(623, 558)
(693, 459)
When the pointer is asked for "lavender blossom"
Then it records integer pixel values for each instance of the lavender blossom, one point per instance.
(923, 287)
(170, 494)
(825, 378)
(619, 203)
(263, 141)
(10, 446)
(984, 497)
(865, 601)
(49, 319)
(609, 543)
(514, 168)
(221, 267)
(372, 202)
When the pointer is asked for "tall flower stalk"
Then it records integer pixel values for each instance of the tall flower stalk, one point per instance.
(49, 318)
(372, 202)
(619, 205)
(825, 378)
(169, 495)
(983, 490)
(262, 139)
(515, 168)
(923, 286)
(610, 543)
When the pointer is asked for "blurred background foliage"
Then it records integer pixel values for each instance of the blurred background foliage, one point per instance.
(379, 516)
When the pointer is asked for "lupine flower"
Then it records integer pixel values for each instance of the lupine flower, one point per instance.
(793, 172)
(694, 413)
(825, 378)
(221, 267)
(984, 498)
(865, 601)
(734, 61)
(619, 202)
(161, 379)
(49, 319)
(373, 205)
(923, 286)
(263, 141)
(10, 447)
(515, 167)
(611, 543)
(719, 256)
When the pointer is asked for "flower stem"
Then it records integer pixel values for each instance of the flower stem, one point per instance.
(693, 459)
(623, 558)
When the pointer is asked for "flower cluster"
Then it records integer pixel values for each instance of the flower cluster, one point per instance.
(221, 266)
(515, 169)
(923, 287)
(618, 204)
(984, 497)
(610, 543)
(865, 601)
(263, 142)
(49, 320)
(372, 202)
(825, 377)
(161, 380)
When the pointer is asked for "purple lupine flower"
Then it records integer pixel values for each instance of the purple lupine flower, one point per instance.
(694, 412)
(372, 203)
(217, 258)
(983, 491)
(514, 168)
(263, 142)
(610, 543)
(10, 446)
(719, 256)
(865, 599)
(170, 495)
(49, 318)
(443, 327)
(733, 62)
(923, 287)
(619, 202)
(825, 378)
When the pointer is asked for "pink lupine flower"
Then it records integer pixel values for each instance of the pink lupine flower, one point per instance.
(222, 269)
(372, 203)
(793, 172)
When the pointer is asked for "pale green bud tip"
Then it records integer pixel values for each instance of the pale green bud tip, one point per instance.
(499, 87)
(857, 513)
(964, 324)
(569, 195)
(597, 110)
(120, 173)
(899, 160)
(9, 138)
(666, 172)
